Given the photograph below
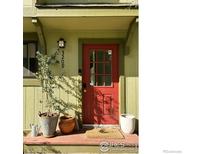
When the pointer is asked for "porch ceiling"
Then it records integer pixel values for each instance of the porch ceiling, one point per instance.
(28, 26)
(80, 23)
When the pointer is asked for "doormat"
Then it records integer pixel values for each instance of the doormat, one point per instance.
(104, 133)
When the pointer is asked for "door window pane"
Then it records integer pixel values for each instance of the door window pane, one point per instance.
(108, 55)
(92, 80)
(92, 74)
(100, 68)
(92, 68)
(92, 56)
(108, 80)
(100, 56)
(108, 68)
(100, 81)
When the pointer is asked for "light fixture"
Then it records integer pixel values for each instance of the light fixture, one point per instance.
(109, 52)
(34, 20)
(61, 43)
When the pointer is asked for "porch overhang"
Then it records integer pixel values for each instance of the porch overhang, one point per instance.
(80, 23)
(124, 24)
(83, 8)
(87, 5)
(130, 34)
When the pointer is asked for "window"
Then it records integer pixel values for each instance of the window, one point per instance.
(101, 67)
(30, 64)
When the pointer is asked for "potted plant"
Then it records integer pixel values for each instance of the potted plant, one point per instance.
(49, 82)
(127, 123)
(48, 120)
(67, 122)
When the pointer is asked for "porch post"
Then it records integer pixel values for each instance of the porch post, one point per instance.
(40, 33)
(131, 29)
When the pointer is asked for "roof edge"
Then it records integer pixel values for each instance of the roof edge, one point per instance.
(103, 5)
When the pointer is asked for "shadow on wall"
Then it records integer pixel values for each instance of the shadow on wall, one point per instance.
(136, 126)
(65, 96)
(71, 86)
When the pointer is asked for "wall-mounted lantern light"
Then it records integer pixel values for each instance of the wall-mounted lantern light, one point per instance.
(61, 43)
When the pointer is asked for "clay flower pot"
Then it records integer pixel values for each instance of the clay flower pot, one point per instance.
(66, 124)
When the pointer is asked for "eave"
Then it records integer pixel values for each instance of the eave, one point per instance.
(72, 5)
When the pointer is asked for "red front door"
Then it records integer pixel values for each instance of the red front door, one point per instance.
(100, 84)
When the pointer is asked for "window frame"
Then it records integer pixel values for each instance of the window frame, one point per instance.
(36, 45)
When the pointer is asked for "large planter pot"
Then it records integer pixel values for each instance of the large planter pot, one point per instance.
(127, 123)
(48, 124)
(66, 124)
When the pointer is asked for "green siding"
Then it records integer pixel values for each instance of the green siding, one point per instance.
(132, 95)
(122, 94)
(24, 108)
(132, 77)
(32, 96)
(38, 105)
(128, 75)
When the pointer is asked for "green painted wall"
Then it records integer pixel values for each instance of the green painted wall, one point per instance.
(72, 48)
(128, 75)
(132, 76)
(32, 93)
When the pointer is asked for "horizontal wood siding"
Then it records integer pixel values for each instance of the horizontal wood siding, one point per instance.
(24, 107)
(132, 95)
(32, 96)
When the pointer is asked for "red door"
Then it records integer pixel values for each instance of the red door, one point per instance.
(100, 84)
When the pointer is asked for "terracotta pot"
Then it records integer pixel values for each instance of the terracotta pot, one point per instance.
(66, 124)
